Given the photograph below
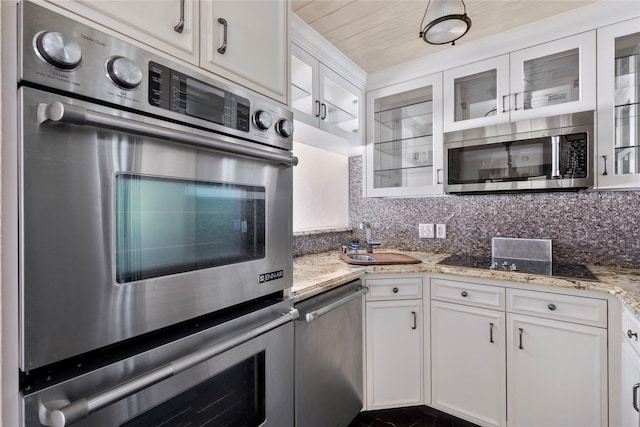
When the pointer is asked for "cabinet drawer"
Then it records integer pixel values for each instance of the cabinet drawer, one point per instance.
(631, 330)
(394, 288)
(587, 311)
(468, 293)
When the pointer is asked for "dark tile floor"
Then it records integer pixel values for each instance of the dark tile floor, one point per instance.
(413, 416)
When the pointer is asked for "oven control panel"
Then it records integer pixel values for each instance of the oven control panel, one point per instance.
(59, 53)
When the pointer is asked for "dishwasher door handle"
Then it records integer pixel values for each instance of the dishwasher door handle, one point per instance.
(311, 316)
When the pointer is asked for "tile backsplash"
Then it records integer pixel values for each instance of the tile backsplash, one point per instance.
(585, 227)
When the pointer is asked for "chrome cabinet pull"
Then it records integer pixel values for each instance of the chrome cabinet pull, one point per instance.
(635, 397)
(310, 317)
(515, 101)
(632, 334)
(415, 320)
(520, 331)
(491, 332)
(552, 307)
(180, 25)
(324, 111)
(58, 112)
(54, 415)
(222, 49)
(604, 158)
(317, 108)
(438, 172)
(504, 108)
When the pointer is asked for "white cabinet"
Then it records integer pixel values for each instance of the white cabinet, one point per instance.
(247, 42)
(630, 371)
(556, 366)
(322, 98)
(394, 343)
(404, 139)
(172, 26)
(618, 149)
(544, 80)
(243, 41)
(468, 377)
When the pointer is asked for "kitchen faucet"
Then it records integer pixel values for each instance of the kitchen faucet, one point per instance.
(370, 242)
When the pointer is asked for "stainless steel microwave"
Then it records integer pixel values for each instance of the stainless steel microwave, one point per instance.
(554, 153)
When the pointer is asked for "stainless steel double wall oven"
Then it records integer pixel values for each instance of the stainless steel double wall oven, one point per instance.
(155, 238)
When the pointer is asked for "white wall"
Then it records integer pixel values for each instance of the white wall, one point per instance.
(320, 189)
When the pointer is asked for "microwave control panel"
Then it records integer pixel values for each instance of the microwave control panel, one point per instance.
(574, 156)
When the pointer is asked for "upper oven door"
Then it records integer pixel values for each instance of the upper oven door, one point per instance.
(130, 224)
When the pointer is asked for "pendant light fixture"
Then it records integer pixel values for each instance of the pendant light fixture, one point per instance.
(447, 21)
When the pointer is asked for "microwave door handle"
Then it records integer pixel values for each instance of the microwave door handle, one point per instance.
(59, 112)
(555, 156)
(51, 414)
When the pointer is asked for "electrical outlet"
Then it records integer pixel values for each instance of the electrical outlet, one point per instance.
(425, 231)
(441, 231)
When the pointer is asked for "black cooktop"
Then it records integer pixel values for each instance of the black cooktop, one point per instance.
(570, 271)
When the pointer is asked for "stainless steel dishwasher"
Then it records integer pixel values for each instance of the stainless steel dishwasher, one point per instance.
(328, 357)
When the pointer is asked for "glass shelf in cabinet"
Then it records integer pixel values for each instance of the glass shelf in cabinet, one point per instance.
(428, 137)
(298, 93)
(336, 114)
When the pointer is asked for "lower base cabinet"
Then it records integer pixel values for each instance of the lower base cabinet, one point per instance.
(394, 353)
(630, 392)
(556, 373)
(468, 362)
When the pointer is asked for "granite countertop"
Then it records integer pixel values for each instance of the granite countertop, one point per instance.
(313, 274)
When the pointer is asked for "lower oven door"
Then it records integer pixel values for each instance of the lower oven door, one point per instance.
(248, 385)
(129, 224)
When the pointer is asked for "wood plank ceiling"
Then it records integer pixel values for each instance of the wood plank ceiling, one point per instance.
(377, 34)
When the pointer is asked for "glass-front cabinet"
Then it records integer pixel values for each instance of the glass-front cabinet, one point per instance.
(618, 161)
(322, 98)
(404, 139)
(549, 79)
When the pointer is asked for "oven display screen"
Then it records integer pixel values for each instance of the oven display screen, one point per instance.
(168, 226)
(233, 398)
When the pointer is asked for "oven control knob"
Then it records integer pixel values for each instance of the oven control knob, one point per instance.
(262, 119)
(58, 50)
(284, 128)
(124, 72)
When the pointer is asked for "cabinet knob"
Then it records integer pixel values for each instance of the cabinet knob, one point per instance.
(631, 334)
(464, 294)
(552, 307)
(395, 290)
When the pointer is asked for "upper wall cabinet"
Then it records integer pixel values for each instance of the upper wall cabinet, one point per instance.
(172, 26)
(243, 41)
(404, 139)
(544, 80)
(323, 99)
(247, 42)
(618, 162)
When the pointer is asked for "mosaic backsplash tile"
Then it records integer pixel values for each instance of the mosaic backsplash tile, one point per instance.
(589, 227)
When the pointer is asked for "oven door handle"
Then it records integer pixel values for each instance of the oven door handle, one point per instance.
(59, 112)
(61, 413)
(310, 317)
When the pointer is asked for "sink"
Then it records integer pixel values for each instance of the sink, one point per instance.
(379, 258)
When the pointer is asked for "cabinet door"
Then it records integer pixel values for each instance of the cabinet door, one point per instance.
(554, 78)
(394, 353)
(305, 96)
(468, 376)
(404, 139)
(340, 105)
(630, 378)
(247, 42)
(157, 26)
(618, 161)
(556, 373)
(477, 94)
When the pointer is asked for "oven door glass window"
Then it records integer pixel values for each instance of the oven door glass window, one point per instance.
(168, 226)
(233, 398)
